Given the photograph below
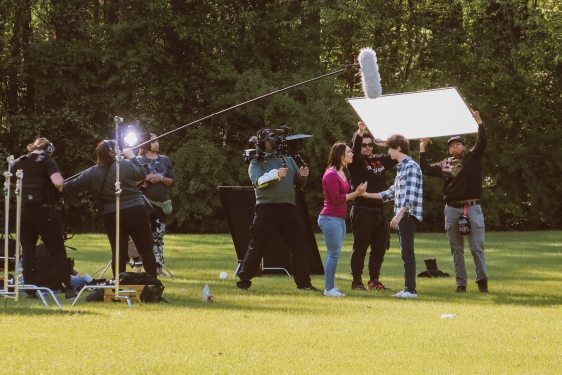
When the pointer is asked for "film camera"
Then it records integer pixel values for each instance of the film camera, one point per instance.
(280, 140)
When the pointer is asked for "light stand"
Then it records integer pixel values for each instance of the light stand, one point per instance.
(17, 268)
(5, 292)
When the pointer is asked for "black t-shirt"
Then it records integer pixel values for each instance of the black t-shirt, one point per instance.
(162, 166)
(37, 187)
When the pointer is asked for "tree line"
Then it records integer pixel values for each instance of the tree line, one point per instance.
(68, 67)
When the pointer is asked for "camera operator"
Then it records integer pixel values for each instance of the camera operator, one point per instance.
(134, 221)
(462, 185)
(275, 209)
(39, 217)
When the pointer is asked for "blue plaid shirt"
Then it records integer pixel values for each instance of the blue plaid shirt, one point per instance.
(407, 189)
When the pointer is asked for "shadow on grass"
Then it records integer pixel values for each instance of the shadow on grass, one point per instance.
(32, 309)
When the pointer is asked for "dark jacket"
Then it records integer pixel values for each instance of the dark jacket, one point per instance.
(371, 169)
(130, 171)
(468, 183)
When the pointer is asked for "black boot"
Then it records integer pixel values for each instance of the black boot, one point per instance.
(431, 264)
(69, 293)
(482, 285)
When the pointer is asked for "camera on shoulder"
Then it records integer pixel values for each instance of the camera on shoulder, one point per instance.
(281, 142)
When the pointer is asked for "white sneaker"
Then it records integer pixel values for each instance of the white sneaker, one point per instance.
(405, 294)
(334, 292)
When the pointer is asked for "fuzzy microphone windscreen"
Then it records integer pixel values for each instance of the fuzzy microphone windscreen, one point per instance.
(370, 78)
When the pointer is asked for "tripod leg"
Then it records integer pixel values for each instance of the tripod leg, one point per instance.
(167, 269)
(105, 268)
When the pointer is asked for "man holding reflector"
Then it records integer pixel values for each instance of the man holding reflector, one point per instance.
(462, 185)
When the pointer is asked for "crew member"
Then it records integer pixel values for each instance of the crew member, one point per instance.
(159, 178)
(462, 187)
(275, 209)
(100, 180)
(41, 178)
(368, 218)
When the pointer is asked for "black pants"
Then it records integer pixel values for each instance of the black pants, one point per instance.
(406, 232)
(44, 222)
(370, 228)
(269, 218)
(133, 222)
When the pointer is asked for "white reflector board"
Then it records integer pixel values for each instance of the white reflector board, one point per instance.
(421, 114)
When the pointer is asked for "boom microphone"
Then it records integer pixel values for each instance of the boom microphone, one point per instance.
(370, 77)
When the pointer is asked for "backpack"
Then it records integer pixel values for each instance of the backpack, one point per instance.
(153, 288)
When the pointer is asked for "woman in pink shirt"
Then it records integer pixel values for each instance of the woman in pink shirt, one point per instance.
(332, 218)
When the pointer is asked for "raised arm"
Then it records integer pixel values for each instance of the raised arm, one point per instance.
(433, 170)
(481, 141)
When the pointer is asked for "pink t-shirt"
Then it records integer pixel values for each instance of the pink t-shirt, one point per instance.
(335, 190)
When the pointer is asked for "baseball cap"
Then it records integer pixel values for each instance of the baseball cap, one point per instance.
(456, 138)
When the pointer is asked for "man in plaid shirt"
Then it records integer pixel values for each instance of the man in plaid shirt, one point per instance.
(407, 193)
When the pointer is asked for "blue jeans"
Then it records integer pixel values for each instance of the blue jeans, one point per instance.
(333, 229)
(406, 231)
(78, 282)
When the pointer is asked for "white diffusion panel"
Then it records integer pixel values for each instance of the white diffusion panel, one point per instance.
(422, 114)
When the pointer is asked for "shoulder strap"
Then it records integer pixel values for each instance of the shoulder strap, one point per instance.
(103, 183)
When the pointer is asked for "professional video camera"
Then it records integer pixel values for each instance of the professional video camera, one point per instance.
(280, 140)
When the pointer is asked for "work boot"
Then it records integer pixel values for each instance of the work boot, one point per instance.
(431, 264)
(482, 285)
(461, 289)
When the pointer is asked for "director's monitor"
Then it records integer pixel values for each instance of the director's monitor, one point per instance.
(421, 114)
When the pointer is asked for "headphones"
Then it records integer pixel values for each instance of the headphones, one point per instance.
(111, 149)
(263, 135)
(49, 148)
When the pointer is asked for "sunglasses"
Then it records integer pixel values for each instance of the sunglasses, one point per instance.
(365, 145)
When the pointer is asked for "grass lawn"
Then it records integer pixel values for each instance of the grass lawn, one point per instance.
(274, 329)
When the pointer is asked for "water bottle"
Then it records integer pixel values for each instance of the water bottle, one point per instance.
(207, 296)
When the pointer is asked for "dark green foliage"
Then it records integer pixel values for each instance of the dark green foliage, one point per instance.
(68, 67)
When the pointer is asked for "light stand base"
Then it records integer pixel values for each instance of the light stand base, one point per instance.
(125, 297)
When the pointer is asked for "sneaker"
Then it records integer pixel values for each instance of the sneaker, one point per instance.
(376, 285)
(405, 294)
(309, 288)
(334, 292)
(357, 285)
(461, 289)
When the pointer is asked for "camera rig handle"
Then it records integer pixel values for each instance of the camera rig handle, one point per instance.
(284, 162)
(298, 156)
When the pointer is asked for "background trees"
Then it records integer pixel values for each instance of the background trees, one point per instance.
(68, 67)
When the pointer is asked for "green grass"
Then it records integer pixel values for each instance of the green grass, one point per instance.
(516, 329)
